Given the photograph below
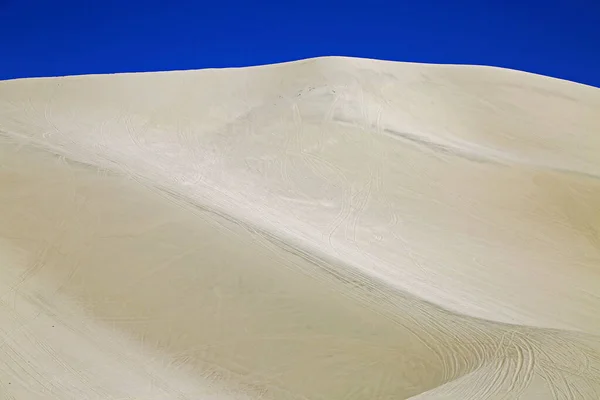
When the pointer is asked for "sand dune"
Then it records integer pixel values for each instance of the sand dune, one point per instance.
(332, 228)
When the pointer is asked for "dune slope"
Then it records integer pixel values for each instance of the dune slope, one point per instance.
(332, 228)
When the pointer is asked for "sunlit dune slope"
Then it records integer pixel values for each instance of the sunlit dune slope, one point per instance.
(332, 228)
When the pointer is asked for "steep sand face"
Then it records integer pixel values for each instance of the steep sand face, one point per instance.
(333, 228)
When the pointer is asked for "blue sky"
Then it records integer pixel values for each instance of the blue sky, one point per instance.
(64, 37)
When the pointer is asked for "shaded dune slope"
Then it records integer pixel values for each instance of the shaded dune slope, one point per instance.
(329, 228)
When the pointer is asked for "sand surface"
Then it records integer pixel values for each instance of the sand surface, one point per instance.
(333, 228)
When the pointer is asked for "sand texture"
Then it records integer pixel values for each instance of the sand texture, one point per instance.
(332, 228)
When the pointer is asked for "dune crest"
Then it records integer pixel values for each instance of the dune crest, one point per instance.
(322, 229)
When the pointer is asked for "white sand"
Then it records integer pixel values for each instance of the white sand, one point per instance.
(332, 228)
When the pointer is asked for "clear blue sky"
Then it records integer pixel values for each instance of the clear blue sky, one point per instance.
(64, 37)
